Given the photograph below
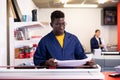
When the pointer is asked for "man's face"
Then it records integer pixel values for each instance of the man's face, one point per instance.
(58, 26)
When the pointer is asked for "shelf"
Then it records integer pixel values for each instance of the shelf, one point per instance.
(25, 42)
(21, 61)
(28, 24)
(34, 39)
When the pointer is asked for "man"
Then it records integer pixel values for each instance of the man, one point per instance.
(58, 44)
(96, 42)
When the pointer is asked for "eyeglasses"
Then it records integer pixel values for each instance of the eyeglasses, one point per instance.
(60, 24)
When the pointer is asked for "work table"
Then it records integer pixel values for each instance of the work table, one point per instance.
(85, 73)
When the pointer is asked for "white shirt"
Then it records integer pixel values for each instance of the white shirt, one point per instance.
(97, 40)
(103, 43)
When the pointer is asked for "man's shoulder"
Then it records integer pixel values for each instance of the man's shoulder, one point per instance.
(70, 35)
(47, 35)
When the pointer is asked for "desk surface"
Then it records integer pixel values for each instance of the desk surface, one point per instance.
(107, 77)
(50, 74)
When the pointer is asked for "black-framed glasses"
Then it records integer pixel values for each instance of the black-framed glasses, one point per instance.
(60, 24)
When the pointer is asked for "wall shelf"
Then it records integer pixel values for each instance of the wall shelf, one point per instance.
(14, 43)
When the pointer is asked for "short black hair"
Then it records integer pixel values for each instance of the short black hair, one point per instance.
(57, 14)
(97, 30)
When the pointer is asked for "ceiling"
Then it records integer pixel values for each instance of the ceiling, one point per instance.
(59, 4)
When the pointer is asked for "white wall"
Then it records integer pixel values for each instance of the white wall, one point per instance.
(83, 22)
(3, 34)
(80, 21)
(113, 35)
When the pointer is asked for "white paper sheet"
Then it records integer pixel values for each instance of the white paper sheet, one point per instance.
(117, 68)
(72, 63)
(97, 52)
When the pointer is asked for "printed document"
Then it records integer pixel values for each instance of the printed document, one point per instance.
(72, 63)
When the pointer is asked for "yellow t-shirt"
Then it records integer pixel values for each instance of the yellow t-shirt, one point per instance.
(61, 39)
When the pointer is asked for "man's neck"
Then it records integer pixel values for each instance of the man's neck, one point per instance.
(58, 34)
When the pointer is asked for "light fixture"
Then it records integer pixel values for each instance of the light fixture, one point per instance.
(64, 1)
(80, 5)
(102, 1)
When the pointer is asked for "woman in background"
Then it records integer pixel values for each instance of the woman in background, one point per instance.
(97, 43)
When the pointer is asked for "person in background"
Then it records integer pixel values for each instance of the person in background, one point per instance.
(96, 42)
(58, 44)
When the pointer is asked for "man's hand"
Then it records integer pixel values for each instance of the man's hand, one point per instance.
(90, 63)
(50, 62)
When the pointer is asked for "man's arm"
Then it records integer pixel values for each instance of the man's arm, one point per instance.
(40, 54)
(79, 51)
(81, 54)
